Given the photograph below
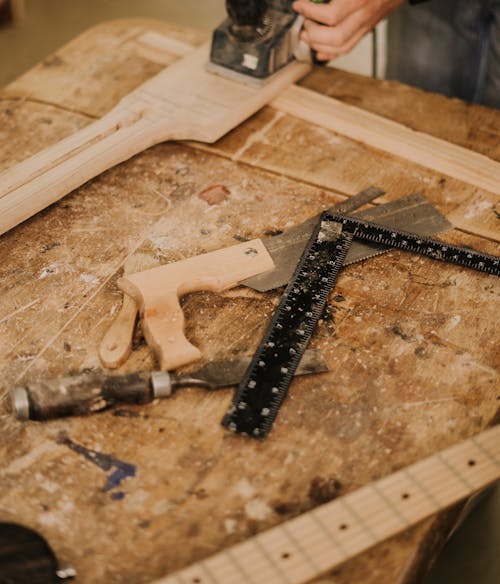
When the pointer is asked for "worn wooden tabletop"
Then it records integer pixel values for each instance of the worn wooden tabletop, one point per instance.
(130, 495)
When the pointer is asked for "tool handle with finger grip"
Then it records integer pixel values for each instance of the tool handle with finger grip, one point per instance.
(157, 292)
(116, 344)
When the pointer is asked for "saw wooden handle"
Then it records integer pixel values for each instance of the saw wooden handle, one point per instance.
(157, 292)
(116, 344)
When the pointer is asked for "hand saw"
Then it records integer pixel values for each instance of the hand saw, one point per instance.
(156, 291)
(286, 248)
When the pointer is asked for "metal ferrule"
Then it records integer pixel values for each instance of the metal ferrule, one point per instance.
(20, 403)
(161, 382)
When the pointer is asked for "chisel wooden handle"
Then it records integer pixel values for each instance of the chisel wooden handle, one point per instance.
(157, 292)
(79, 395)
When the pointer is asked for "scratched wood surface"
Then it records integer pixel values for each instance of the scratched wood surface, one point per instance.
(131, 495)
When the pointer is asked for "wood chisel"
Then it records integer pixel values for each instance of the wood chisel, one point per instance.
(268, 377)
(96, 391)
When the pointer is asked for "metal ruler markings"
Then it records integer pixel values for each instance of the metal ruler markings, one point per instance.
(266, 381)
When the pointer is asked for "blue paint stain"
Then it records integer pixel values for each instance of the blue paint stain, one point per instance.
(123, 471)
(118, 496)
(106, 462)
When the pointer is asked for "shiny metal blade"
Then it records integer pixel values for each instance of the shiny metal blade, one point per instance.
(286, 248)
(224, 373)
(414, 213)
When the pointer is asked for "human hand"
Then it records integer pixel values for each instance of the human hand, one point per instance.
(335, 28)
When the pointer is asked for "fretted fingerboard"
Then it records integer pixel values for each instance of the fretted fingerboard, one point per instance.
(305, 547)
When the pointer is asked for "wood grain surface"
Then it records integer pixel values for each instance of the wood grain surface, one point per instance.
(297, 551)
(132, 495)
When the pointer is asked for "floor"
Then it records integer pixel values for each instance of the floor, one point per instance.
(472, 554)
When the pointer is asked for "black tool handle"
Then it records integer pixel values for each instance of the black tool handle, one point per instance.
(80, 395)
(247, 12)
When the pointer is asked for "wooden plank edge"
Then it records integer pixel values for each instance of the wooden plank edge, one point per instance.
(392, 137)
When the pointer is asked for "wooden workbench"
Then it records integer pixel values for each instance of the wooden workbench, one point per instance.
(412, 345)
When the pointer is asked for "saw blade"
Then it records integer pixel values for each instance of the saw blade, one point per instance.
(413, 213)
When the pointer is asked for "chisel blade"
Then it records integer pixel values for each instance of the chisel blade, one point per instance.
(224, 373)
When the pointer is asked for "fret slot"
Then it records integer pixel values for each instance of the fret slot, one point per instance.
(317, 541)
(407, 498)
(470, 462)
(440, 479)
(380, 518)
(254, 563)
(286, 552)
(226, 569)
(196, 574)
(345, 526)
(490, 442)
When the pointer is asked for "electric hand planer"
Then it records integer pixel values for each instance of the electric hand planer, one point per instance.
(257, 39)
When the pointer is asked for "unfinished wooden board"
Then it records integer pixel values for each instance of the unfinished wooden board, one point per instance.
(183, 102)
(412, 344)
(452, 120)
(383, 134)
